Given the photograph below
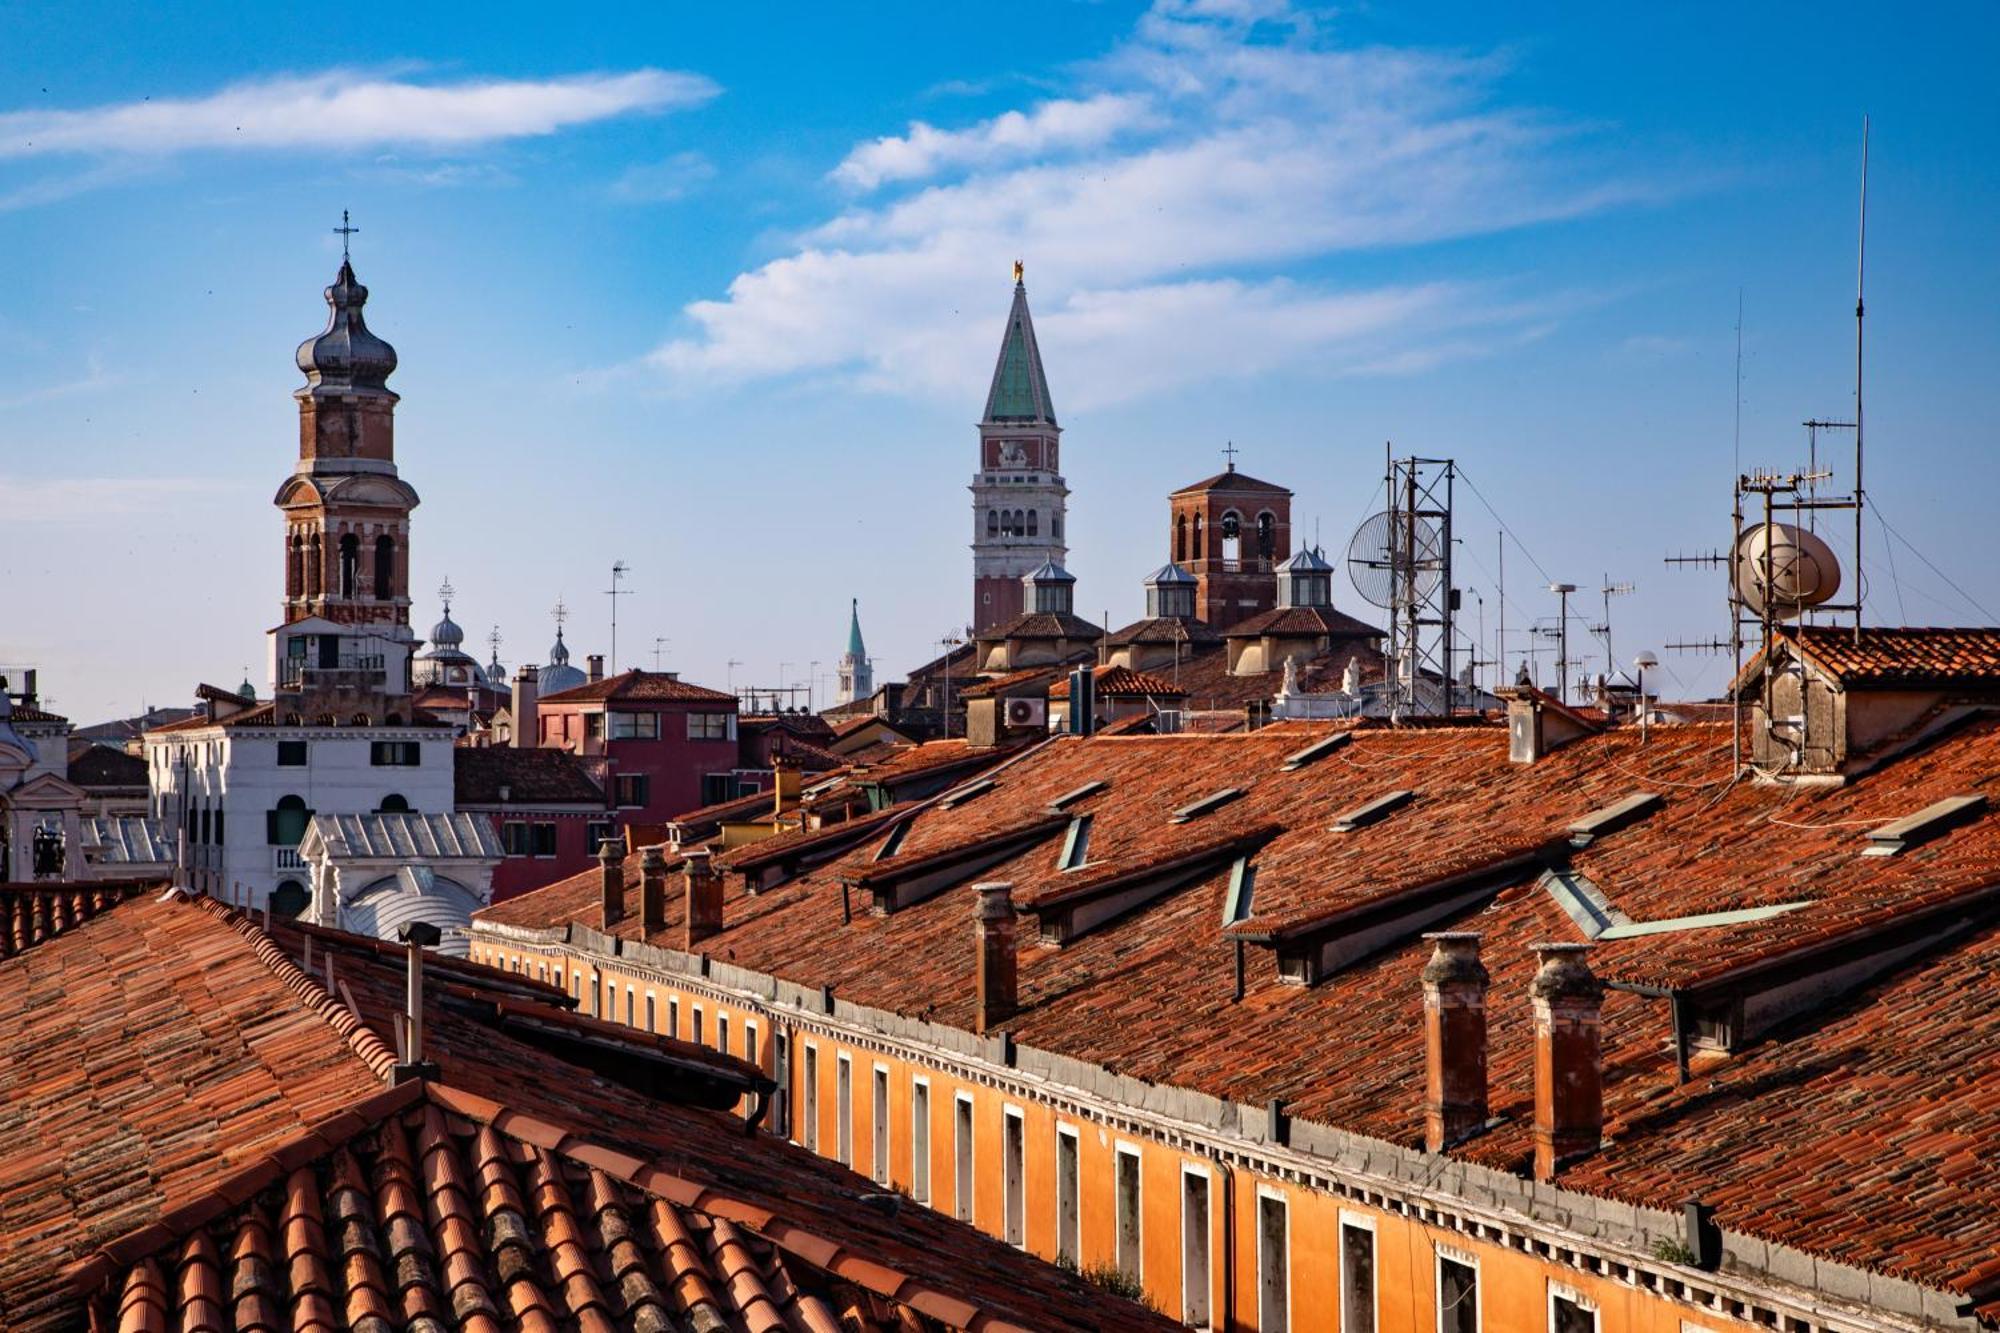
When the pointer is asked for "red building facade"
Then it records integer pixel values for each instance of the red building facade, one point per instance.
(666, 746)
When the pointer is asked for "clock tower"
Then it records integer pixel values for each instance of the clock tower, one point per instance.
(1018, 494)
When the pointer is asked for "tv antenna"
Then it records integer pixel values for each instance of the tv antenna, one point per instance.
(619, 569)
(1400, 560)
(659, 647)
(1603, 630)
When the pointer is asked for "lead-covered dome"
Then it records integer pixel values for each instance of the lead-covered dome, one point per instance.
(346, 355)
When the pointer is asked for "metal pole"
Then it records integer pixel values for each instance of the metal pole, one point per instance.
(1860, 310)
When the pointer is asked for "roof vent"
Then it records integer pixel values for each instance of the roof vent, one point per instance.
(1611, 818)
(1938, 817)
(1361, 816)
(960, 795)
(1069, 798)
(1213, 801)
(1318, 750)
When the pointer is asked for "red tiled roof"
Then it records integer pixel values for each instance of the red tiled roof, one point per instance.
(100, 766)
(214, 1146)
(640, 685)
(1013, 680)
(1164, 629)
(1303, 620)
(1044, 625)
(1123, 683)
(1886, 655)
(33, 912)
(532, 775)
(1231, 480)
(30, 713)
(1883, 1159)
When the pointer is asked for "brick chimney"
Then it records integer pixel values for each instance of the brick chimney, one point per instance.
(1454, 1040)
(594, 667)
(995, 973)
(1569, 1057)
(526, 708)
(786, 782)
(611, 881)
(652, 890)
(704, 895)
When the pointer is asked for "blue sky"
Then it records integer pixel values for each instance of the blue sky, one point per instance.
(717, 290)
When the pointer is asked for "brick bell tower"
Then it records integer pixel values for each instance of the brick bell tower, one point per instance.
(347, 513)
(1231, 532)
(1018, 494)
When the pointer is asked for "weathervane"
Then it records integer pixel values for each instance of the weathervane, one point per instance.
(343, 231)
(1019, 270)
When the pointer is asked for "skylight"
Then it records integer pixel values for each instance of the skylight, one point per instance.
(1319, 749)
(1213, 801)
(1368, 813)
(1070, 798)
(1935, 818)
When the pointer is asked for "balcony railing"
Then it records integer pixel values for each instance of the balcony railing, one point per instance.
(287, 858)
(294, 672)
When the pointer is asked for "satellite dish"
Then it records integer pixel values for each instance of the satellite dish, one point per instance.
(1802, 570)
(1378, 562)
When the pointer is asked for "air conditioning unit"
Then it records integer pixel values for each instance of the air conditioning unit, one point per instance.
(1027, 712)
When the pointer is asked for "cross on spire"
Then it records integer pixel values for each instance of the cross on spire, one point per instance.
(494, 640)
(561, 613)
(446, 592)
(343, 231)
(1229, 451)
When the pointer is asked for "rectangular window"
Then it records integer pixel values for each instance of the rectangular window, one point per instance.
(635, 726)
(597, 833)
(809, 1095)
(920, 1141)
(722, 1033)
(843, 1111)
(1126, 1187)
(1569, 1312)
(1195, 1280)
(291, 754)
(961, 1157)
(750, 1042)
(1357, 1276)
(697, 1031)
(593, 726)
(1076, 844)
(543, 839)
(652, 1024)
(395, 754)
(514, 838)
(1458, 1296)
(1012, 1178)
(634, 789)
(711, 726)
(1069, 1239)
(674, 1016)
(780, 1119)
(1274, 1252)
(717, 788)
(878, 1168)
(631, 1001)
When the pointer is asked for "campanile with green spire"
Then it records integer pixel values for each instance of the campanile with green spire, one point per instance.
(1019, 498)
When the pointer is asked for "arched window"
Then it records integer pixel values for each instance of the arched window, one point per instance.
(1199, 553)
(385, 566)
(393, 804)
(1232, 536)
(993, 523)
(207, 833)
(1020, 523)
(350, 563)
(1267, 535)
(1180, 538)
(1034, 523)
(289, 899)
(295, 566)
(286, 823)
(314, 565)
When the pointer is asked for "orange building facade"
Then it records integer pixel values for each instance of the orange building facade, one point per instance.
(1217, 1219)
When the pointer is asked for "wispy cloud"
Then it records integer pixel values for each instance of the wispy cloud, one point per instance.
(346, 111)
(1220, 144)
(86, 499)
(1055, 126)
(663, 182)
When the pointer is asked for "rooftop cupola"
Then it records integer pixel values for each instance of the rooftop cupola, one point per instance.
(1306, 579)
(1170, 593)
(1051, 590)
(346, 358)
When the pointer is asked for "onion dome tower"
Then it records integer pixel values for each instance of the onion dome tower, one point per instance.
(446, 662)
(559, 675)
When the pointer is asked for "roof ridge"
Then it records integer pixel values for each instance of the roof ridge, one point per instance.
(369, 1048)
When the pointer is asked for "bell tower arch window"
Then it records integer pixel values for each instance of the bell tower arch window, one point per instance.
(993, 523)
(1180, 538)
(385, 567)
(1232, 536)
(315, 565)
(1033, 523)
(350, 564)
(295, 566)
(1199, 553)
(1267, 535)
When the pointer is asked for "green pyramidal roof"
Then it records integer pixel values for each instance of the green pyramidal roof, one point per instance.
(854, 631)
(1020, 390)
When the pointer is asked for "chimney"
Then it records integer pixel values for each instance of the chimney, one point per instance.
(526, 708)
(652, 890)
(1569, 1057)
(786, 780)
(595, 663)
(611, 881)
(419, 935)
(995, 973)
(704, 895)
(1454, 1040)
(1537, 725)
(1082, 701)
(29, 692)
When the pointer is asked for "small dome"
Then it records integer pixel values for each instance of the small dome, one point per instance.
(1306, 560)
(446, 633)
(558, 655)
(246, 689)
(1168, 575)
(496, 675)
(346, 355)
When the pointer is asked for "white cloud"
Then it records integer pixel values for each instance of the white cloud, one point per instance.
(664, 182)
(344, 110)
(1217, 157)
(1054, 126)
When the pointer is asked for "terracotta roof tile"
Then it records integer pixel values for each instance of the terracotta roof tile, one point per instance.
(532, 775)
(1894, 655)
(1114, 682)
(641, 685)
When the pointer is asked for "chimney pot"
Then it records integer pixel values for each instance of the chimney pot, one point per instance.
(1455, 984)
(611, 881)
(1568, 1004)
(419, 935)
(652, 890)
(527, 708)
(595, 663)
(996, 971)
(704, 895)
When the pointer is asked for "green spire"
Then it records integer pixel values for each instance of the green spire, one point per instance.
(854, 647)
(1020, 391)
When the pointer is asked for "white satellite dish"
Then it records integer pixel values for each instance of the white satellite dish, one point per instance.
(1786, 567)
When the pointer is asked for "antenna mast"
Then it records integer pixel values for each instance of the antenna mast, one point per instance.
(1860, 311)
